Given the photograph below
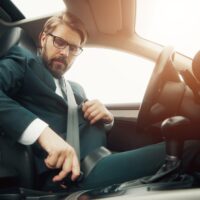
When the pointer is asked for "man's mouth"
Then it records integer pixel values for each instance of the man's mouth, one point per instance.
(58, 66)
(58, 62)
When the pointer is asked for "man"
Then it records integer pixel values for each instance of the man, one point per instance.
(34, 112)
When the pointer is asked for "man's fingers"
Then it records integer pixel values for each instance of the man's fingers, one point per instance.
(93, 114)
(95, 111)
(71, 164)
(88, 107)
(62, 174)
(60, 161)
(88, 111)
(66, 168)
(96, 118)
(75, 168)
(51, 160)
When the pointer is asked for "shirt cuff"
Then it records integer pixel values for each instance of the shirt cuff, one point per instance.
(32, 132)
(108, 126)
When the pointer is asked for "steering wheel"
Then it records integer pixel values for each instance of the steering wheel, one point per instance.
(163, 71)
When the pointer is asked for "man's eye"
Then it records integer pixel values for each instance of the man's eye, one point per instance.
(60, 42)
(73, 48)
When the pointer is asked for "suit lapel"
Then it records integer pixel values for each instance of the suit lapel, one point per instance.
(45, 76)
(46, 79)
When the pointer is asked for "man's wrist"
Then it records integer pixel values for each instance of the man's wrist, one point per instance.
(32, 132)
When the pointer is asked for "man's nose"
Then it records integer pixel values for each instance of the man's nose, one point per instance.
(65, 51)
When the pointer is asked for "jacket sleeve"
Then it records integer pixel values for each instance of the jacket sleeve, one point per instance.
(14, 118)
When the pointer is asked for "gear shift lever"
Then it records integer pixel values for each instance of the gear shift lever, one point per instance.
(172, 128)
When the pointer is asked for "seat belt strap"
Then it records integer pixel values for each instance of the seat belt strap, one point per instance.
(72, 117)
(73, 138)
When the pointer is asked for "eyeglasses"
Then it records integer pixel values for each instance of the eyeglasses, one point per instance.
(60, 43)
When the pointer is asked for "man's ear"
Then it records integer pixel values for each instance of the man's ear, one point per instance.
(42, 38)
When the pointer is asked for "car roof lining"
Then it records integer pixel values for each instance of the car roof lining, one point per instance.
(106, 21)
(98, 18)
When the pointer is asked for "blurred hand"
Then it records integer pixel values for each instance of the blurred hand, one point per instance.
(60, 155)
(94, 111)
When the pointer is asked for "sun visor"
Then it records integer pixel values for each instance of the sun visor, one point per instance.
(107, 15)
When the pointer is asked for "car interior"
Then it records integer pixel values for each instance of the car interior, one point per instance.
(173, 88)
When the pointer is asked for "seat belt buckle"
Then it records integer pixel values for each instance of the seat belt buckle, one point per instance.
(68, 182)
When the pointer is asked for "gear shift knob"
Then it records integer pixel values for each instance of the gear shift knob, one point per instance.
(174, 127)
(173, 130)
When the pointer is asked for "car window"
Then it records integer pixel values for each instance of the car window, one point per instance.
(171, 22)
(111, 76)
(26, 7)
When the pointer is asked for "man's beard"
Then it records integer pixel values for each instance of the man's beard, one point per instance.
(57, 65)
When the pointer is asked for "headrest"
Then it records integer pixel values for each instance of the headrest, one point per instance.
(196, 65)
(16, 36)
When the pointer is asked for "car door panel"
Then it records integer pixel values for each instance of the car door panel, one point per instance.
(124, 134)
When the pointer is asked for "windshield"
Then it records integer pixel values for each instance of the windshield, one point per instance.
(171, 22)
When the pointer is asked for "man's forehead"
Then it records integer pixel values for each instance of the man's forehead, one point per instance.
(65, 29)
(67, 33)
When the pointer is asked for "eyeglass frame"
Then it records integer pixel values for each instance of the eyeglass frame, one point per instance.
(66, 44)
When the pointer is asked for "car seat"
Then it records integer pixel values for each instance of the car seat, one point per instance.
(16, 161)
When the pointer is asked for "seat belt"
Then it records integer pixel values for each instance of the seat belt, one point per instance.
(72, 117)
(73, 138)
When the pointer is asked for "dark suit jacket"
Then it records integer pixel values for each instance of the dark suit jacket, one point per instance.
(27, 92)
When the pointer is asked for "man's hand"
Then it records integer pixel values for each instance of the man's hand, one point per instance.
(94, 111)
(60, 155)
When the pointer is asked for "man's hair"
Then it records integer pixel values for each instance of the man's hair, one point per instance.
(69, 20)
